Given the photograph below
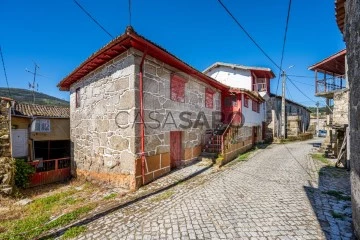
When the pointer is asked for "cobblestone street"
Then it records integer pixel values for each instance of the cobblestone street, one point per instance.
(269, 196)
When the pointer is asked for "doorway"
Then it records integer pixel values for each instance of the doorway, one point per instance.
(175, 149)
(19, 143)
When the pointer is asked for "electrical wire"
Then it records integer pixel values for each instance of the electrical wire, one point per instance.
(284, 43)
(248, 34)
(89, 15)
(6, 78)
(259, 47)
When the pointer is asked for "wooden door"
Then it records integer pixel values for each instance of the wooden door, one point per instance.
(254, 135)
(19, 142)
(231, 105)
(175, 149)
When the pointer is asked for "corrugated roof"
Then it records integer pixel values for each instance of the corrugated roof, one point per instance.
(25, 109)
(238, 66)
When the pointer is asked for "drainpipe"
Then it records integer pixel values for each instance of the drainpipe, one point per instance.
(142, 127)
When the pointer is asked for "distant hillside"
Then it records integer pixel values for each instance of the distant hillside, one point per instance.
(26, 96)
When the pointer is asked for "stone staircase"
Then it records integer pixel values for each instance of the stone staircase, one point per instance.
(212, 144)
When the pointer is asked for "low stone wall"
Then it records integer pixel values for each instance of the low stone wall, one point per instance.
(160, 164)
(7, 164)
(235, 150)
(238, 141)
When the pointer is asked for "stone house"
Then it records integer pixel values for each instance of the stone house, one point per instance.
(137, 112)
(297, 117)
(254, 79)
(257, 79)
(331, 84)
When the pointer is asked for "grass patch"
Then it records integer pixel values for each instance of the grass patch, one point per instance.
(338, 195)
(245, 156)
(320, 157)
(163, 196)
(73, 232)
(337, 215)
(110, 196)
(38, 217)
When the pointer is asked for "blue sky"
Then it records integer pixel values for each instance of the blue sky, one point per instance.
(59, 36)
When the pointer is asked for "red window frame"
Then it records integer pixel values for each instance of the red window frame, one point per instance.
(177, 88)
(246, 101)
(77, 97)
(255, 106)
(209, 98)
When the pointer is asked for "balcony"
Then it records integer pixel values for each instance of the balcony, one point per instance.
(326, 87)
(260, 85)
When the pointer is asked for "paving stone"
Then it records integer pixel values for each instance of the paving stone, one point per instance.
(276, 194)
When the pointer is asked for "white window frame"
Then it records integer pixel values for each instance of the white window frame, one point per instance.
(41, 125)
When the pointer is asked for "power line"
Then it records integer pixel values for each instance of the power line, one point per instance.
(300, 90)
(87, 13)
(258, 46)
(309, 84)
(247, 34)
(300, 76)
(284, 43)
(6, 78)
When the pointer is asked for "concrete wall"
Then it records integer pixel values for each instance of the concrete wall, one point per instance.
(236, 78)
(352, 38)
(341, 108)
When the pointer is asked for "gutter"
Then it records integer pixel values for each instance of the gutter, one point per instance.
(142, 124)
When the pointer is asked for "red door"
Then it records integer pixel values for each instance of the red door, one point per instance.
(255, 131)
(175, 149)
(231, 105)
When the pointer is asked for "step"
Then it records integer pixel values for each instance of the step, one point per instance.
(208, 156)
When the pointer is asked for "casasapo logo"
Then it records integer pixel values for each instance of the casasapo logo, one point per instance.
(180, 120)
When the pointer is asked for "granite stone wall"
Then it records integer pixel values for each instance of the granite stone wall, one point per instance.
(298, 118)
(352, 38)
(162, 115)
(103, 141)
(105, 128)
(341, 108)
(7, 164)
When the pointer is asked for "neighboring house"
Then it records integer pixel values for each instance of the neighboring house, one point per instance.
(131, 79)
(331, 84)
(250, 79)
(41, 135)
(297, 117)
(257, 79)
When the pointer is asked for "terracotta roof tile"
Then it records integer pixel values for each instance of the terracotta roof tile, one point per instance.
(25, 109)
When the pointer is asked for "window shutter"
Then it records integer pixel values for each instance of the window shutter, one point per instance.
(177, 88)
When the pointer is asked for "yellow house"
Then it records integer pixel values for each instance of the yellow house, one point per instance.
(40, 132)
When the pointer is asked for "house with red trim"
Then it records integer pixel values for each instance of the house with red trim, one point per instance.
(137, 112)
(258, 79)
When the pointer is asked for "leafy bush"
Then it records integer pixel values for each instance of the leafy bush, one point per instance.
(22, 173)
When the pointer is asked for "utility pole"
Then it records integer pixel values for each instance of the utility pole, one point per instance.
(283, 114)
(33, 86)
(317, 118)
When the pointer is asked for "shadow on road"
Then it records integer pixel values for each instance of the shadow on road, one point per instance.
(114, 208)
(331, 202)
